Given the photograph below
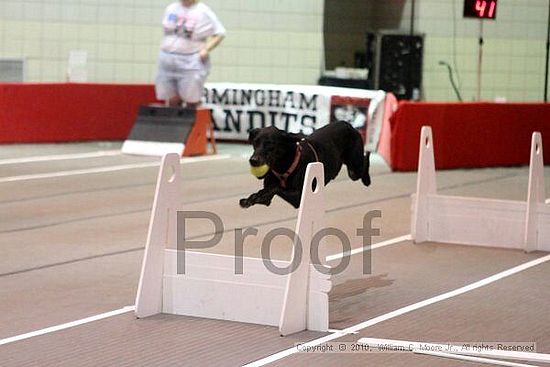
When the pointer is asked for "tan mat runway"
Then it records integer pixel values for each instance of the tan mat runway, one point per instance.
(71, 247)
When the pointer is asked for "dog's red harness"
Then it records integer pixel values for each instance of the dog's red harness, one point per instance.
(284, 177)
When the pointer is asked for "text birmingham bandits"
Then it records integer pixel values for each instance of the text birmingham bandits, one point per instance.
(245, 109)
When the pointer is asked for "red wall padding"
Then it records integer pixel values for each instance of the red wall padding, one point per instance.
(32, 113)
(468, 135)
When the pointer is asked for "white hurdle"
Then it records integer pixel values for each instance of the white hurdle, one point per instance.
(478, 221)
(211, 289)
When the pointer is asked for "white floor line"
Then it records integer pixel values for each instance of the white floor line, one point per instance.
(335, 331)
(457, 350)
(356, 251)
(60, 157)
(494, 362)
(124, 310)
(415, 306)
(106, 169)
(67, 325)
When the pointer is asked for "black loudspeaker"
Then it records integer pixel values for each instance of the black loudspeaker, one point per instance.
(396, 63)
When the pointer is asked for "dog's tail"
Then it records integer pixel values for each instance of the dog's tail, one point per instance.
(366, 168)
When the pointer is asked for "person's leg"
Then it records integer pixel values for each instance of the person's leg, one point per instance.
(167, 90)
(191, 87)
(192, 106)
(166, 86)
(174, 101)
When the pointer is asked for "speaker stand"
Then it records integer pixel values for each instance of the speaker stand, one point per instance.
(480, 60)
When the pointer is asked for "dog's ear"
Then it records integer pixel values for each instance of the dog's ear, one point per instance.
(292, 136)
(252, 135)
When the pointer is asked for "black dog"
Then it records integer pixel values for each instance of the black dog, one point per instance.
(287, 156)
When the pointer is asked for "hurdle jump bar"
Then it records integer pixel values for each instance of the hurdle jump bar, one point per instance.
(479, 221)
(211, 289)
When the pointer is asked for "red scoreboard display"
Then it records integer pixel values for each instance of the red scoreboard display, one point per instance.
(480, 9)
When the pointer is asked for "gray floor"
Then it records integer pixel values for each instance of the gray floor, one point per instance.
(71, 247)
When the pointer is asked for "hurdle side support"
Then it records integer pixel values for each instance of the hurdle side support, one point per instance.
(210, 288)
(479, 221)
(162, 228)
(536, 195)
(298, 311)
(425, 185)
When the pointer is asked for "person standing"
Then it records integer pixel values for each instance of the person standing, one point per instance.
(191, 31)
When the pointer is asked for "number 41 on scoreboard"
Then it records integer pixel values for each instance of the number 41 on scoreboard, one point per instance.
(481, 9)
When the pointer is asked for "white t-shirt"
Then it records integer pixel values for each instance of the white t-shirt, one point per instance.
(186, 29)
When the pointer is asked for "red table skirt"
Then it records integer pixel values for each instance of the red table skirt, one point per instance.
(69, 112)
(467, 135)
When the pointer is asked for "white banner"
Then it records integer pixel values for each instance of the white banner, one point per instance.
(238, 108)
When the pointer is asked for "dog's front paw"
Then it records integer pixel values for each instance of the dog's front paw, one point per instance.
(245, 203)
(366, 180)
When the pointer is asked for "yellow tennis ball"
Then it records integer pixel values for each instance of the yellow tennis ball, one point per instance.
(260, 171)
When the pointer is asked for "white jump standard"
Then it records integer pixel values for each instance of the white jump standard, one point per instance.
(477, 221)
(211, 289)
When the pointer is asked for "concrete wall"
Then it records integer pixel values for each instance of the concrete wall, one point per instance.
(277, 41)
(281, 41)
(514, 52)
